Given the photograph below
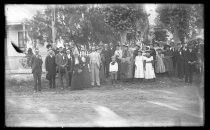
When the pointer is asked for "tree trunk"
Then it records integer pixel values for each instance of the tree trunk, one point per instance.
(123, 37)
(176, 36)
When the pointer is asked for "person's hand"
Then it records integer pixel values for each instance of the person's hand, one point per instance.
(79, 70)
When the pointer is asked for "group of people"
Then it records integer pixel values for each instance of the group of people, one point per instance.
(120, 63)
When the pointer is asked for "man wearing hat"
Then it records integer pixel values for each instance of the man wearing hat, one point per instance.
(61, 62)
(36, 65)
(107, 57)
(69, 66)
(189, 66)
(95, 61)
(179, 61)
(50, 67)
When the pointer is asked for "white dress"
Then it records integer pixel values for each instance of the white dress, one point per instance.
(149, 72)
(139, 70)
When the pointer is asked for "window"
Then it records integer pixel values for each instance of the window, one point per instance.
(21, 40)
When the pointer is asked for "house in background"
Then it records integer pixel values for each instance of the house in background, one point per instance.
(16, 32)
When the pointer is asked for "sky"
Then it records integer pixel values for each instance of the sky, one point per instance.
(150, 8)
(16, 13)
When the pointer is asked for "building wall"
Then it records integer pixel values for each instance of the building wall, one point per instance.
(12, 36)
(12, 58)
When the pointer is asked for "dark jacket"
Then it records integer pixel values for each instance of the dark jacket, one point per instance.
(179, 55)
(111, 52)
(70, 63)
(153, 53)
(50, 65)
(107, 56)
(77, 66)
(36, 63)
(190, 56)
(61, 61)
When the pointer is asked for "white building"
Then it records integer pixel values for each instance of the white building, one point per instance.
(16, 32)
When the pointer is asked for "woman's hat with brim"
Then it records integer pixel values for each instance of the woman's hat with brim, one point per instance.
(159, 49)
(167, 46)
(48, 46)
(113, 57)
(140, 51)
(98, 48)
(101, 44)
(147, 51)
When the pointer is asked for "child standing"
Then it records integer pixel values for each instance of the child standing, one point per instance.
(139, 66)
(113, 69)
(160, 67)
(148, 66)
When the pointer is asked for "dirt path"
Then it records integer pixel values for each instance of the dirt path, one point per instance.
(149, 104)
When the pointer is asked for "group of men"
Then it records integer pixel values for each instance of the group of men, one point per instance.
(61, 62)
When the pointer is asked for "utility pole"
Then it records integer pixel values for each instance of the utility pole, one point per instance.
(53, 26)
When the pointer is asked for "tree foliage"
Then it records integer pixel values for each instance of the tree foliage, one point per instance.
(125, 18)
(180, 19)
(160, 35)
(80, 23)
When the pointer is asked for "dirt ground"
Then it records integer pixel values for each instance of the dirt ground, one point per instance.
(165, 102)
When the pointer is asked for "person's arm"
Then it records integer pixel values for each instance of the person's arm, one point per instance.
(66, 60)
(144, 61)
(153, 63)
(46, 63)
(41, 62)
(32, 60)
(110, 66)
(57, 60)
(116, 66)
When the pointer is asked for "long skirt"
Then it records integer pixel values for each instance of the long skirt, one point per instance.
(139, 70)
(124, 70)
(77, 82)
(149, 72)
(130, 70)
(160, 66)
(168, 64)
(87, 77)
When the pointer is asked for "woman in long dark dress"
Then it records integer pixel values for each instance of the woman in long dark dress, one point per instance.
(86, 73)
(168, 54)
(77, 77)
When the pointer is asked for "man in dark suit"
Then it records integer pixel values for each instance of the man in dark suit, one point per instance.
(111, 50)
(189, 66)
(61, 61)
(107, 56)
(50, 67)
(179, 61)
(69, 67)
(36, 65)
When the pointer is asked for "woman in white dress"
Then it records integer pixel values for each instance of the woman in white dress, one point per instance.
(148, 66)
(139, 66)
